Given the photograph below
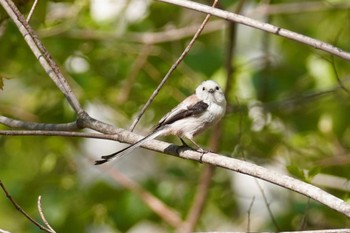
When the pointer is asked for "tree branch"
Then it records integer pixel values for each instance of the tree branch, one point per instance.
(41, 53)
(225, 162)
(41, 213)
(57, 133)
(262, 26)
(41, 227)
(32, 10)
(121, 135)
(312, 231)
(37, 126)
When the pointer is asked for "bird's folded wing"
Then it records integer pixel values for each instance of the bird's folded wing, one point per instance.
(191, 106)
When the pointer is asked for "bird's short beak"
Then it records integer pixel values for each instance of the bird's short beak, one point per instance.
(211, 90)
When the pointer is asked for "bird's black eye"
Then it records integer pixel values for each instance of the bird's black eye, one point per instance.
(203, 89)
(217, 88)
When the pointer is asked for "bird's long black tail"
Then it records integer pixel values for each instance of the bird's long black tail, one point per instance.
(121, 153)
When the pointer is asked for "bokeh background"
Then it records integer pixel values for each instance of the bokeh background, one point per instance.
(288, 111)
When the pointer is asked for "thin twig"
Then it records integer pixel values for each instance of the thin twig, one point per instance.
(341, 84)
(41, 227)
(305, 215)
(173, 67)
(32, 10)
(262, 26)
(267, 205)
(149, 38)
(249, 213)
(208, 170)
(41, 213)
(140, 61)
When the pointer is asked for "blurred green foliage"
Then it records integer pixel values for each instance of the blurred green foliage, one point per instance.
(286, 111)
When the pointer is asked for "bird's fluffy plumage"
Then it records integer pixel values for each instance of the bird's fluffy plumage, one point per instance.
(189, 118)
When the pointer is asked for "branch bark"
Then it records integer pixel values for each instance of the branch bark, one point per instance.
(317, 44)
(41, 54)
(19, 208)
(237, 165)
(85, 121)
(37, 126)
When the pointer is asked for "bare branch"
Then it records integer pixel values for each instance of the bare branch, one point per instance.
(140, 61)
(37, 126)
(57, 133)
(262, 26)
(243, 167)
(232, 164)
(149, 38)
(267, 204)
(340, 82)
(285, 181)
(305, 215)
(249, 213)
(297, 7)
(32, 10)
(311, 231)
(41, 213)
(41, 227)
(41, 54)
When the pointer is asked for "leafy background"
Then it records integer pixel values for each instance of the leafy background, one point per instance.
(286, 111)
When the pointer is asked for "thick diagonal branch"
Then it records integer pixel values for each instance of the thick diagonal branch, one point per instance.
(262, 26)
(41, 53)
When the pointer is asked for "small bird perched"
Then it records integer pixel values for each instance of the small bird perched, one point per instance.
(189, 118)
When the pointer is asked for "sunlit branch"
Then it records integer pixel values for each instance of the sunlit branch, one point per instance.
(32, 10)
(41, 213)
(262, 26)
(297, 7)
(232, 164)
(41, 53)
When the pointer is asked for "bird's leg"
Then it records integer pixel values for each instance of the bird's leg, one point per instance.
(184, 143)
(200, 149)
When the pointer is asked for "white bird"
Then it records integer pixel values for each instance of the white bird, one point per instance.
(192, 116)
